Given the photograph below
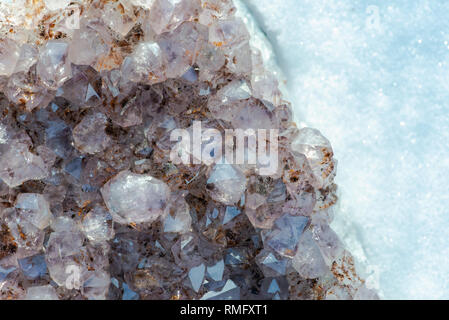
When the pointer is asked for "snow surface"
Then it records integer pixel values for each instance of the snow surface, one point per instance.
(373, 76)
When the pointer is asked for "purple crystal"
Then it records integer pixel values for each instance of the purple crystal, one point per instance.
(92, 203)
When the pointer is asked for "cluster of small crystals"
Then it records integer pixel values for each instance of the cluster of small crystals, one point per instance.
(91, 207)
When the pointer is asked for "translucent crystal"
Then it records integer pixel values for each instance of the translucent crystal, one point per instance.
(337, 292)
(363, 293)
(228, 33)
(178, 218)
(275, 288)
(210, 60)
(125, 113)
(330, 245)
(33, 267)
(216, 271)
(18, 164)
(262, 210)
(119, 17)
(226, 184)
(5, 272)
(34, 208)
(97, 225)
(227, 99)
(86, 46)
(285, 235)
(308, 260)
(166, 15)
(92, 203)
(28, 91)
(181, 47)
(230, 214)
(271, 264)
(89, 135)
(214, 10)
(82, 89)
(58, 137)
(74, 167)
(41, 293)
(64, 243)
(229, 292)
(128, 294)
(145, 64)
(63, 246)
(28, 57)
(237, 256)
(196, 276)
(97, 285)
(135, 198)
(53, 67)
(26, 235)
(240, 59)
(9, 56)
(317, 149)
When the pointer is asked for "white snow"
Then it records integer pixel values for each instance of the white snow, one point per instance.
(373, 76)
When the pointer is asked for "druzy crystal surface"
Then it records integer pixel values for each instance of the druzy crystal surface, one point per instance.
(92, 205)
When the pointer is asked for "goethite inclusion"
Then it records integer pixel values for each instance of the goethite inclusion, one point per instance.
(91, 205)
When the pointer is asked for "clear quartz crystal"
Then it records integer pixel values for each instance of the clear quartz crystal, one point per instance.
(28, 57)
(309, 261)
(135, 198)
(18, 164)
(226, 183)
(34, 208)
(25, 89)
(318, 150)
(145, 64)
(89, 135)
(97, 225)
(9, 56)
(92, 205)
(178, 218)
(41, 293)
(53, 67)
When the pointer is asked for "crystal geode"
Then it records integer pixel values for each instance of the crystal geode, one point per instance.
(92, 205)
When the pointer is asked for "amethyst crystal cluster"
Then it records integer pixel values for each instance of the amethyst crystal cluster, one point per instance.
(91, 205)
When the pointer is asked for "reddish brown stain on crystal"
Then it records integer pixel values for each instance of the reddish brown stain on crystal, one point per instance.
(7, 244)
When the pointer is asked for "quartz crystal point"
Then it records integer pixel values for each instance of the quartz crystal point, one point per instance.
(97, 225)
(92, 204)
(53, 67)
(135, 198)
(18, 164)
(309, 261)
(226, 183)
(89, 135)
(34, 208)
(87, 46)
(178, 218)
(145, 64)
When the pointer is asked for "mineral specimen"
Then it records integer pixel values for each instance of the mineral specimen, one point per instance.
(92, 205)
